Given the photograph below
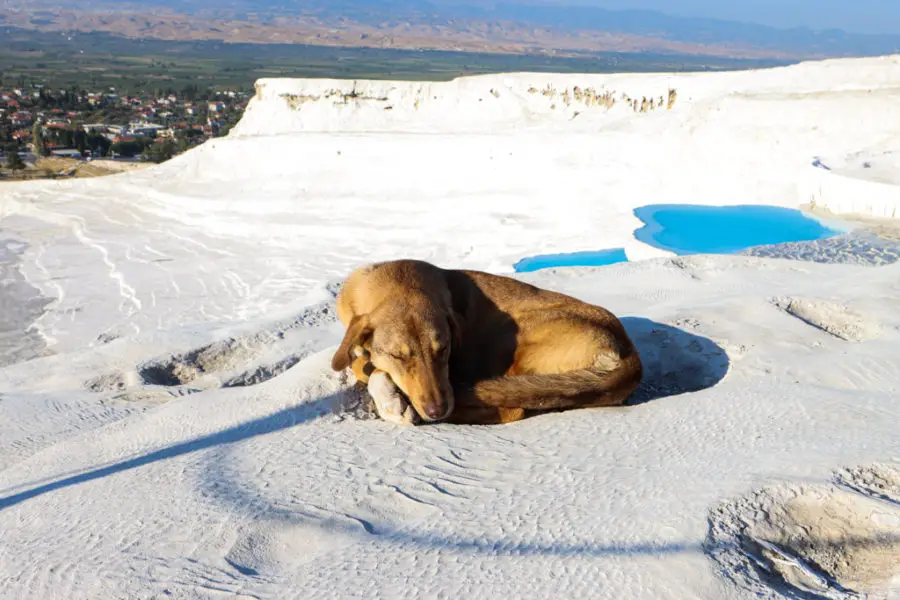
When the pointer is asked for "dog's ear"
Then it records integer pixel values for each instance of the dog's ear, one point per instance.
(455, 329)
(359, 333)
(458, 288)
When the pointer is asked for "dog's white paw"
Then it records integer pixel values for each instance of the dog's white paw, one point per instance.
(389, 402)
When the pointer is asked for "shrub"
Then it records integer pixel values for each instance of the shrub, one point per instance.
(14, 161)
(161, 151)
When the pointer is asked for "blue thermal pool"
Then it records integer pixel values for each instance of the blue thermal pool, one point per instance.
(692, 229)
(593, 258)
(695, 229)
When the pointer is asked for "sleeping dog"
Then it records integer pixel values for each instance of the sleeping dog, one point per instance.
(471, 347)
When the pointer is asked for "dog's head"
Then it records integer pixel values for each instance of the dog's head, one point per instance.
(411, 346)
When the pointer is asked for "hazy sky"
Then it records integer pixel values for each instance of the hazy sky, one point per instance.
(862, 16)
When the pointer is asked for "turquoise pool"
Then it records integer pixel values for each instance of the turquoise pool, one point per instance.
(695, 229)
(591, 258)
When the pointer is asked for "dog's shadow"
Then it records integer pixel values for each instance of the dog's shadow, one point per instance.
(675, 361)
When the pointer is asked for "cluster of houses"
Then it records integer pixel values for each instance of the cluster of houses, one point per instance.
(138, 129)
(95, 113)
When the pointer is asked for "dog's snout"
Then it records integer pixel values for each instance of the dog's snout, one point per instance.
(434, 410)
(430, 395)
(437, 407)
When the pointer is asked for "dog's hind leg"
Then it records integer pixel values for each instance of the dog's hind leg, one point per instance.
(564, 364)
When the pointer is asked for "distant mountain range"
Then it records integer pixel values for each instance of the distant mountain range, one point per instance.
(440, 25)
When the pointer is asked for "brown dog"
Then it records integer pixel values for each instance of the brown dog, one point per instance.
(470, 347)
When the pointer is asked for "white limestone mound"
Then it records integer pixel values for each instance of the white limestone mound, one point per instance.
(823, 541)
(835, 319)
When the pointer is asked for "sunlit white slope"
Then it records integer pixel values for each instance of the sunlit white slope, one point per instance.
(302, 192)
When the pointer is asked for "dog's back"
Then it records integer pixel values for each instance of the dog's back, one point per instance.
(525, 347)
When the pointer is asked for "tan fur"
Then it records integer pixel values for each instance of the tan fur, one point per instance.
(514, 348)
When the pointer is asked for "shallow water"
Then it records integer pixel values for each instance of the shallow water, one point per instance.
(591, 258)
(20, 305)
(694, 229)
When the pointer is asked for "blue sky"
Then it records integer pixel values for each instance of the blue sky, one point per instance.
(861, 16)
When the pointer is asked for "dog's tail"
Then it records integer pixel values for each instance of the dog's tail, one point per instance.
(607, 386)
